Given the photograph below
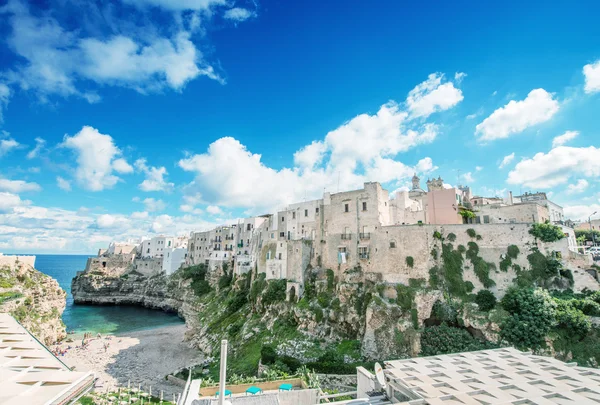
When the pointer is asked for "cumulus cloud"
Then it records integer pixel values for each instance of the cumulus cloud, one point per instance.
(507, 160)
(578, 187)
(18, 186)
(39, 145)
(5, 94)
(121, 166)
(57, 60)
(516, 116)
(140, 215)
(546, 170)
(468, 177)
(7, 145)
(238, 14)
(214, 210)
(190, 209)
(96, 154)
(155, 180)
(365, 148)
(580, 212)
(153, 205)
(432, 95)
(63, 184)
(9, 201)
(110, 221)
(591, 72)
(564, 138)
(179, 5)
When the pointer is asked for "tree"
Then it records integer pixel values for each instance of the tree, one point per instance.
(486, 300)
(547, 232)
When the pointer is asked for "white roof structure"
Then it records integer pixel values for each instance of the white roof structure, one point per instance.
(499, 376)
(30, 374)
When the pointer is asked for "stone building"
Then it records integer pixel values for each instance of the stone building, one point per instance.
(556, 211)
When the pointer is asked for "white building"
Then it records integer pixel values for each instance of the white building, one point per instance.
(155, 247)
(173, 258)
(556, 211)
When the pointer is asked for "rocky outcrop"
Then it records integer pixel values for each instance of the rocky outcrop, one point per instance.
(157, 292)
(34, 299)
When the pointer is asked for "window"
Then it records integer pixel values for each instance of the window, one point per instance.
(293, 215)
(268, 255)
(346, 208)
(486, 219)
(317, 210)
(279, 256)
(305, 213)
(249, 227)
(342, 249)
(392, 244)
(281, 234)
(282, 219)
(363, 252)
(364, 205)
(272, 235)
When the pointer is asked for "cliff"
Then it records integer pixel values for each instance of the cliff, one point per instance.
(34, 299)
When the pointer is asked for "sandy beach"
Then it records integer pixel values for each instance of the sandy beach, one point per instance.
(143, 357)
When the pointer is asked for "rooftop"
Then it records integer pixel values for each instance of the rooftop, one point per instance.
(500, 376)
(32, 375)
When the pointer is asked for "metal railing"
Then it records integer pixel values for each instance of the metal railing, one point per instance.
(346, 236)
(365, 235)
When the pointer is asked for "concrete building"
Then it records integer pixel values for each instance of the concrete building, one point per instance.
(30, 374)
(173, 259)
(556, 211)
(500, 376)
(118, 248)
(499, 213)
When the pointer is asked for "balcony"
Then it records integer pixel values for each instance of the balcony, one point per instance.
(366, 235)
(346, 236)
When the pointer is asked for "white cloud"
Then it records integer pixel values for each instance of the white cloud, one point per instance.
(161, 223)
(63, 184)
(580, 212)
(140, 215)
(564, 138)
(96, 154)
(121, 166)
(579, 187)
(110, 221)
(179, 5)
(239, 14)
(190, 209)
(39, 145)
(7, 145)
(364, 148)
(516, 116)
(153, 205)
(459, 76)
(214, 210)
(478, 168)
(57, 61)
(468, 177)
(310, 155)
(546, 170)
(18, 186)
(154, 177)
(8, 202)
(4, 98)
(432, 96)
(507, 160)
(592, 77)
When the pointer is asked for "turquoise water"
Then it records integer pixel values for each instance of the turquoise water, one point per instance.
(98, 319)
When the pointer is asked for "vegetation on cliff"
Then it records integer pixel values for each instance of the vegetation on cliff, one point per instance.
(34, 299)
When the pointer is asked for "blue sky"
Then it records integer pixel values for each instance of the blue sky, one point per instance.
(135, 117)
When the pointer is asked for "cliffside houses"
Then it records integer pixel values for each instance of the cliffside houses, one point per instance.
(344, 230)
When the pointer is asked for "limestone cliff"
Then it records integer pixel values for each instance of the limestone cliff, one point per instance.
(34, 299)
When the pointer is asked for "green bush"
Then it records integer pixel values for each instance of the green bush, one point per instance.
(405, 296)
(505, 263)
(416, 283)
(469, 286)
(471, 232)
(200, 287)
(237, 302)
(443, 339)
(268, 355)
(532, 315)
(275, 292)
(437, 235)
(258, 287)
(324, 299)
(485, 300)
(318, 314)
(461, 248)
(587, 306)
(574, 324)
(434, 253)
(434, 277)
(453, 271)
(512, 251)
(410, 261)
(451, 237)
(547, 232)
(225, 281)
(330, 280)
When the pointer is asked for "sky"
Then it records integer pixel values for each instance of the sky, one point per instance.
(129, 118)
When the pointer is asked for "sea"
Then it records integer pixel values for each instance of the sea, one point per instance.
(93, 318)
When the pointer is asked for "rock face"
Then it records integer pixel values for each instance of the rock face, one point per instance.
(34, 299)
(158, 292)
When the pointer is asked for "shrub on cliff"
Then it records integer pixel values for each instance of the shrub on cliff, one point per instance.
(444, 339)
(547, 232)
(485, 300)
(275, 292)
(574, 324)
(532, 316)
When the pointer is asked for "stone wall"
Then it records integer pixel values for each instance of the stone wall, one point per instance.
(148, 266)
(109, 265)
(11, 260)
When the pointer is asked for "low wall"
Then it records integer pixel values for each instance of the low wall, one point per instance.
(12, 260)
(297, 383)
